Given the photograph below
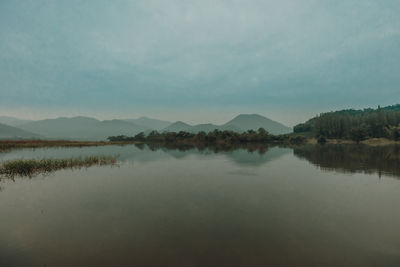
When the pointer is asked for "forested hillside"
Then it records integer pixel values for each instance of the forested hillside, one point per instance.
(355, 124)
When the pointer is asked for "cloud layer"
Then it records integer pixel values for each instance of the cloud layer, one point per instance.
(134, 56)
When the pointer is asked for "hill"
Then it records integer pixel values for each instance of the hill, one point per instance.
(254, 122)
(10, 132)
(349, 123)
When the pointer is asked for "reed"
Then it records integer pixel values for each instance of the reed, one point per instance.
(30, 167)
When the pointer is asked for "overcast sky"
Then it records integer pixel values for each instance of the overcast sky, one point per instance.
(197, 61)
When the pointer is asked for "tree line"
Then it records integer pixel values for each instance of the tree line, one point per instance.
(213, 137)
(355, 124)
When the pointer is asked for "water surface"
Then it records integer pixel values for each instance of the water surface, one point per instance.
(308, 206)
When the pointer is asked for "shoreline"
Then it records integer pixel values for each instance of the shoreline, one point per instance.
(370, 142)
(20, 144)
(6, 145)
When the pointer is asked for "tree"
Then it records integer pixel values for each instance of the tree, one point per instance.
(262, 131)
(396, 134)
(358, 133)
(393, 133)
(139, 137)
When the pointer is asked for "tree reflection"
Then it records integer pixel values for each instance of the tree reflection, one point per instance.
(353, 158)
(223, 147)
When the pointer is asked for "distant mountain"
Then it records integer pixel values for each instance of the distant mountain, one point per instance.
(11, 121)
(254, 122)
(86, 128)
(153, 124)
(10, 132)
(240, 123)
(81, 128)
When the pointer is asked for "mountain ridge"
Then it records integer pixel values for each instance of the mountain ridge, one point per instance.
(11, 132)
(12, 121)
(88, 128)
(81, 128)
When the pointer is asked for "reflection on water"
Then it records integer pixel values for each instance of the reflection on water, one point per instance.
(245, 155)
(243, 206)
(382, 160)
(353, 158)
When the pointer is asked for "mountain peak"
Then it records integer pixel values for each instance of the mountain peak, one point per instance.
(177, 127)
(180, 123)
(256, 121)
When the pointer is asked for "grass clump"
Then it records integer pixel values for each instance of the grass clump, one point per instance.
(30, 167)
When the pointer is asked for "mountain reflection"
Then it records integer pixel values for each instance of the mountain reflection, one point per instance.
(259, 148)
(248, 154)
(382, 160)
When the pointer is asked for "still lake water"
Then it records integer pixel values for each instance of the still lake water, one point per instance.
(308, 206)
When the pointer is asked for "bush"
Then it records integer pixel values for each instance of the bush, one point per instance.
(297, 139)
(321, 139)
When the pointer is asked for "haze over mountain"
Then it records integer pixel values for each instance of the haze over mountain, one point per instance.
(10, 132)
(82, 128)
(11, 121)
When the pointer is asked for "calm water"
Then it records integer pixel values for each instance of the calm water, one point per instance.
(309, 206)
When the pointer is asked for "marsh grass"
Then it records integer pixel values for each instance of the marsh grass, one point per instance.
(31, 167)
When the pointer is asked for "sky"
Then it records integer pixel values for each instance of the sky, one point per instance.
(197, 61)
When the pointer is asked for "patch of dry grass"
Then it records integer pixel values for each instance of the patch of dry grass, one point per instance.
(30, 167)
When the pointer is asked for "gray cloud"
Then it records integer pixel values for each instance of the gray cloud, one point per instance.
(270, 55)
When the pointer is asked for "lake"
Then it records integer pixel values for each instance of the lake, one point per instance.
(331, 205)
